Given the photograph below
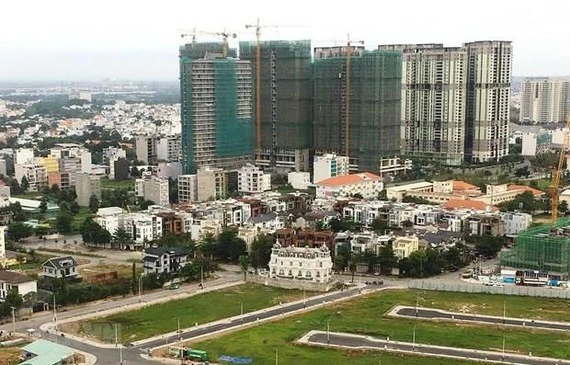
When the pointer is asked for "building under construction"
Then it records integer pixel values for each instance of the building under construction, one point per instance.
(543, 249)
(216, 107)
(286, 101)
(373, 87)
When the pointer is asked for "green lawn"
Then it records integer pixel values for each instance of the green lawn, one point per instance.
(366, 316)
(112, 184)
(202, 308)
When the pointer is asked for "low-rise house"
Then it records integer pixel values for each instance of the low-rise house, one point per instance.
(365, 184)
(12, 280)
(271, 221)
(301, 263)
(164, 259)
(60, 267)
(42, 352)
(404, 246)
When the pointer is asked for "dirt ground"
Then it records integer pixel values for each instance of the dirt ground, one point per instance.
(10, 355)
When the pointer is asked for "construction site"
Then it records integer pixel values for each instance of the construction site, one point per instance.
(283, 85)
(357, 99)
(545, 249)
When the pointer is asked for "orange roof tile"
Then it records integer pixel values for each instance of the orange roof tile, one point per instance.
(534, 192)
(466, 204)
(349, 179)
(462, 185)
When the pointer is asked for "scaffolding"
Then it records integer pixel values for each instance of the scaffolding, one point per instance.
(286, 92)
(217, 122)
(375, 96)
(542, 248)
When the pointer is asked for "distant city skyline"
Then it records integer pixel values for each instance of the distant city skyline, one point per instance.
(129, 40)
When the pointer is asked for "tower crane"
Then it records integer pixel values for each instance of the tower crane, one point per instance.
(557, 175)
(347, 98)
(258, 131)
(225, 35)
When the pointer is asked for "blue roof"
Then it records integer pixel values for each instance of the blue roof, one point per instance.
(46, 353)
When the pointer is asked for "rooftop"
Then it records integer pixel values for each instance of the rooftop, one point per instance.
(534, 192)
(462, 185)
(465, 204)
(46, 353)
(12, 277)
(350, 179)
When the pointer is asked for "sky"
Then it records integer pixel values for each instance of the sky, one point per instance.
(64, 40)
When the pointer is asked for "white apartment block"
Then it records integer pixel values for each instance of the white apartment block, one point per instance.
(252, 180)
(36, 175)
(85, 186)
(301, 263)
(109, 218)
(142, 227)
(365, 184)
(211, 183)
(329, 165)
(299, 180)
(24, 156)
(545, 99)
(169, 149)
(154, 189)
(113, 154)
(516, 222)
(187, 188)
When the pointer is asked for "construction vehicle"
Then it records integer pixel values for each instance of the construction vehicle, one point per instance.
(557, 176)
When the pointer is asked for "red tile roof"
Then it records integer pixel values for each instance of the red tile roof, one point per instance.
(534, 192)
(465, 204)
(349, 179)
(462, 185)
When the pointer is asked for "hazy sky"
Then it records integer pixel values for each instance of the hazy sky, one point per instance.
(138, 39)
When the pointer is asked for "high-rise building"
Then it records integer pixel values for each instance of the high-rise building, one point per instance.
(169, 149)
(455, 100)
(434, 101)
(145, 147)
(488, 100)
(154, 189)
(329, 165)
(286, 101)
(216, 107)
(85, 186)
(211, 183)
(187, 188)
(545, 99)
(372, 108)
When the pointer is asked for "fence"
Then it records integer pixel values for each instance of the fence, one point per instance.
(479, 288)
(290, 283)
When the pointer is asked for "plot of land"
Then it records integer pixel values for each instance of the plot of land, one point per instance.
(123, 271)
(10, 355)
(163, 318)
(113, 184)
(366, 316)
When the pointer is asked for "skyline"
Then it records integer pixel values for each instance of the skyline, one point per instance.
(129, 41)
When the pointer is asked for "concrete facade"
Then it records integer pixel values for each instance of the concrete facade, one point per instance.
(85, 186)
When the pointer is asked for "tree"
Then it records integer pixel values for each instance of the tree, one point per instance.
(522, 172)
(94, 203)
(525, 202)
(63, 222)
(379, 226)
(261, 251)
(244, 264)
(41, 231)
(24, 185)
(452, 258)
(18, 213)
(487, 245)
(387, 259)
(563, 207)
(15, 188)
(121, 238)
(91, 232)
(30, 299)
(43, 206)
(74, 207)
(135, 172)
(229, 246)
(13, 299)
(352, 269)
(19, 230)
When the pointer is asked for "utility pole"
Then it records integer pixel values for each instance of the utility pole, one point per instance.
(54, 313)
(505, 312)
(241, 310)
(304, 298)
(414, 338)
(202, 276)
(328, 333)
(417, 304)
(13, 320)
(140, 288)
(276, 356)
(503, 356)
(178, 328)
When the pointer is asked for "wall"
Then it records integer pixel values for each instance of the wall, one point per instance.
(290, 284)
(479, 288)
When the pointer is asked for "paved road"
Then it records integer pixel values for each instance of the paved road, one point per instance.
(251, 318)
(435, 314)
(362, 342)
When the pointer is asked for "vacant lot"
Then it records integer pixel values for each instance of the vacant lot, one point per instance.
(10, 355)
(366, 316)
(202, 308)
(113, 184)
(123, 271)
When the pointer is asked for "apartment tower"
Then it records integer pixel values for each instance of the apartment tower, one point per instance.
(216, 107)
(545, 99)
(433, 79)
(373, 86)
(286, 102)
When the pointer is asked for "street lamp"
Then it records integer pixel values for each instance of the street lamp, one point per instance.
(13, 320)
(417, 304)
(178, 327)
(503, 356)
(504, 312)
(414, 338)
(328, 333)
(140, 288)
(304, 298)
(241, 310)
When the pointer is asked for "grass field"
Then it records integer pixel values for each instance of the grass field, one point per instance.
(202, 308)
(123, 271)
(79, 218)
(112, 184)
(366, 316)
(10, 355)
